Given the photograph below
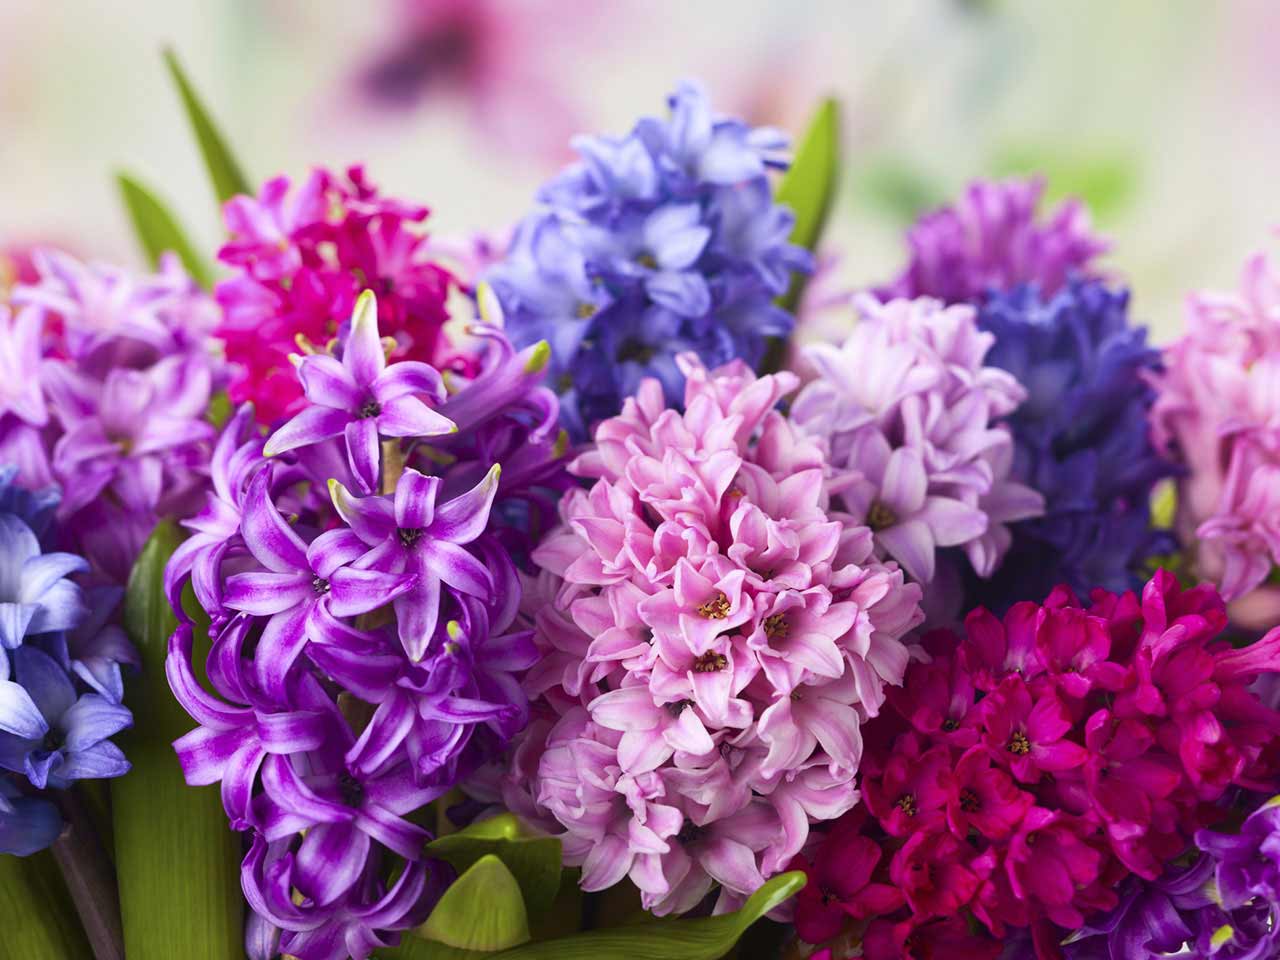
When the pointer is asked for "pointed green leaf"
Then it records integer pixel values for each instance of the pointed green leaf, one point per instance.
(809, 185)
(533, 861)
(224, 171)
(482, 910)
(157, 230)
(705, 938)
(176, 859)
(37, 917)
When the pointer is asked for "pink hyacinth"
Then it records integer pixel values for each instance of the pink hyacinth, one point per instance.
(1217, 410)
(714, 637)
(299, 257)
(908, 416)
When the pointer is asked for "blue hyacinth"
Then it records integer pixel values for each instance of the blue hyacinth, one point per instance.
(662, 241)
(1080, 438)
(60, 684)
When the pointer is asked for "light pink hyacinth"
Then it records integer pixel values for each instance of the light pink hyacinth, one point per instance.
(908, 416)
(714, 637)
(1217, 410)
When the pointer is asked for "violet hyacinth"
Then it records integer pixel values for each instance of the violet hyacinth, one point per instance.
(990, 240)
(365, 654)
(713, 636)
(908, 410)
(662, 241)
(116, 377)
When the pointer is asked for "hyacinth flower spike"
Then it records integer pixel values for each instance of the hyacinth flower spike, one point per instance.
(410, 533)
(35, 596)
(359, 398)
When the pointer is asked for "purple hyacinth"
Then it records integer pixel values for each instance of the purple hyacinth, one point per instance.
(365, 656)
(1081, 439)
(660, 242)
(990, 240)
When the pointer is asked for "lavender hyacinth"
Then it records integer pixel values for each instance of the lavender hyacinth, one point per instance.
(660, 242)
(365, 657)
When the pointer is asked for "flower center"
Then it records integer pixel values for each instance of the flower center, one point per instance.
(710, 662)
(648, 261)
(717, 608)
(678, 707)
(370, 410)
(634, 350)
(880, 516)
(584, 310)
(828, 897)
(907, 804)
(351, 790)
(52, 741)
(408, 535)
(1031, 839)
(320, 585)
(950, 725)
(689, 832)
(775, 627)
(1019, 744)
(969, 801)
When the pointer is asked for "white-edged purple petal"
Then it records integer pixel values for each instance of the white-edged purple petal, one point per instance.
(415, 500)
(330, 861)
(465, 517)
(455, 566)
(263, 594)
(353, 592)
(362, 352)
(311, 426)
(410, 417)
(91, 720)
(409, 378)
(363, 453)
(271, 540)
(327, 383)
(19, 714)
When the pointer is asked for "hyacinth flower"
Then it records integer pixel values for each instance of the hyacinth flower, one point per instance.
(298, 257)
(125, 372)
(908, 409)
(990, 241)
(366, 655)
(1081, 439)
(713, 636)
(660, 242)
(1215, 414)
(1082, 749)
(59, 673)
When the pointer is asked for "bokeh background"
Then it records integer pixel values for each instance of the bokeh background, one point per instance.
(1160, 113)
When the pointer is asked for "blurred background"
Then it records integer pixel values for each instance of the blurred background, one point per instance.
(1160, 113)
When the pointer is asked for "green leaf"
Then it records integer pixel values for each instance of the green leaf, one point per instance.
(533, 861)
(157, 230)
(482, 910)
(809, 185)
(36, 912)
(176, 858)
(224, 171)
(704, 938)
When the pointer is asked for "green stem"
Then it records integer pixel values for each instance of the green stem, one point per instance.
(37, 916)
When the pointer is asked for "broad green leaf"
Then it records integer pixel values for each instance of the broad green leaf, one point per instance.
(482, 910)
(157, 230)
(225, 173)
(809, 185)
(533, 861)
(705, 938)
(176, 858)
(37, 918)
(1107, 181)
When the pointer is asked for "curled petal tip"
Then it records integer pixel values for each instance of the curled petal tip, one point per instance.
(488, 304)
(539, 357)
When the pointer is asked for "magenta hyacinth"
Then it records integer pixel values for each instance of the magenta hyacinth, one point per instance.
(365, 655)
(991, 240)
(908, 417)
(1031, 765)
(714, 636)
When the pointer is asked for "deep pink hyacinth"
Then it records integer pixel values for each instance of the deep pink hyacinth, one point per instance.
(714, 638)
(299, 256)
(1032, 764)
(908, 415)
(991, 239)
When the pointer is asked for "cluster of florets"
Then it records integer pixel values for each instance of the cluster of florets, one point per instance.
(1217, 412)
(356, 568)
(714, 636)
(105, 381)
(1029, 767)
(657, 243)
(990, 240)
(60, 682)
(299, 259)
(1081, 439)
(907, 410)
